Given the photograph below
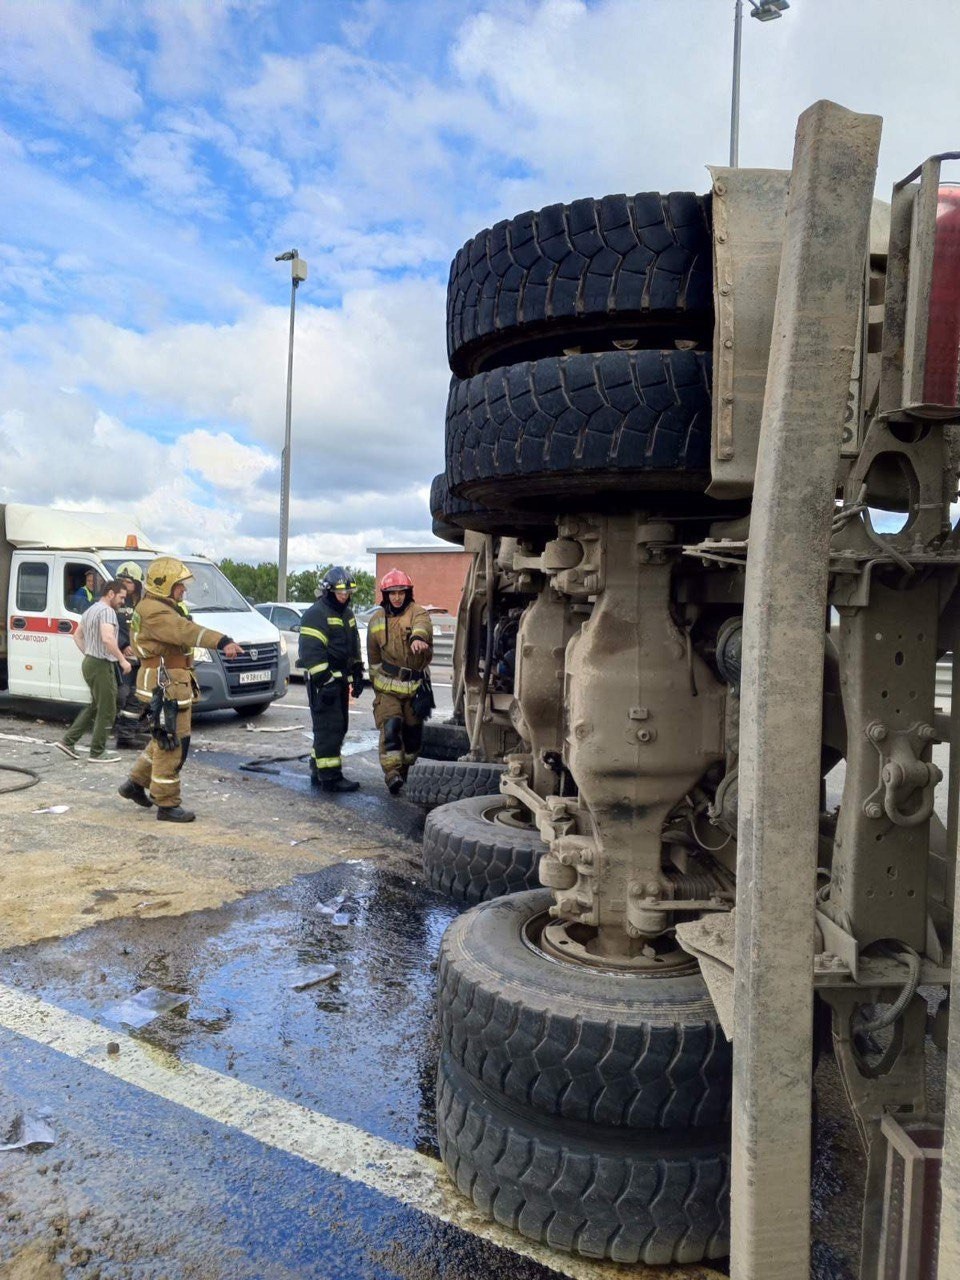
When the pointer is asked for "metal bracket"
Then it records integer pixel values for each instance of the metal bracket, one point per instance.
(902, 773)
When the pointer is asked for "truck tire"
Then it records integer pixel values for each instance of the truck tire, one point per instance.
(434, 782)
(450, 510)
(569, 427)
(655, 1198)
(471, 857)
(573, 1043)
(448, 532)
(444, 741)
(620, 264)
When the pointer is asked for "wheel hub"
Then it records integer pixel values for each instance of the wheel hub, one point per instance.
(573, 943)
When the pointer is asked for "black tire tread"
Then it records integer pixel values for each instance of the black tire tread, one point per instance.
(435, 782)
(444, 741)
(611, 259)
(581, 1045)
(617, 418)
(459, 513)
(656, 1206)
(472, 860)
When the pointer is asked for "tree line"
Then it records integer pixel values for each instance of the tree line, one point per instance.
(259, 582)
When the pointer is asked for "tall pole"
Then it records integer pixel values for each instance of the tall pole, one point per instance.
(298, 272)
(735, 90)
(285, 460)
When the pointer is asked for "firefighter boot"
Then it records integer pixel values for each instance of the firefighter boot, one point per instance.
(131, 790)
(175, 813)
(339, 783)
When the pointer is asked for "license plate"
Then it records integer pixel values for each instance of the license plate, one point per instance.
(255, 677)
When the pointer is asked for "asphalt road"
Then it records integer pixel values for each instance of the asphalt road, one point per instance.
(253, 1130)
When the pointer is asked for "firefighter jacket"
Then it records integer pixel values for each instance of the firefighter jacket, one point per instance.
(329, 642)
(394, 667)
(125, 614)
(162, 637)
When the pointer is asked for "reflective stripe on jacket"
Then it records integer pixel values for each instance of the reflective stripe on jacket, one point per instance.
(389, 637)
(329, 641)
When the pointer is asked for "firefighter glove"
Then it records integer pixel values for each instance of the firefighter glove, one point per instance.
(357, 682)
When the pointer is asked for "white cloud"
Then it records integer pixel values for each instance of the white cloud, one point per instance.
(167, 166)
(49, 54)
(224, 461)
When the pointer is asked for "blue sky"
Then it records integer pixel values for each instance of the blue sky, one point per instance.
(155, 156)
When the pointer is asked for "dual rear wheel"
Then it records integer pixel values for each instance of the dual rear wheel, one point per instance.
(586, 1109)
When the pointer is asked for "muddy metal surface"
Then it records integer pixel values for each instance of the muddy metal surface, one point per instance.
(212, 1141)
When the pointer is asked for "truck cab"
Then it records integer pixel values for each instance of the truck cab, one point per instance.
(45, 556)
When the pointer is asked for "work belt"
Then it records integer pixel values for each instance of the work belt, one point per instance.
(400, 673)
(175, 662)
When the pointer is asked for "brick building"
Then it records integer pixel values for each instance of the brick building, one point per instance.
(437, 572)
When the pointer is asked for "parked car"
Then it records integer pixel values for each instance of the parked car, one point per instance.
(286, 617)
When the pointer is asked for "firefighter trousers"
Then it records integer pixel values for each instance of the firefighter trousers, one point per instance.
(401, 733)
(330, 714)
(155, 769)
(158, 771)
(129, 726)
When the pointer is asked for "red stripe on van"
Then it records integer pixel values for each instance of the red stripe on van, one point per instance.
(46, 625)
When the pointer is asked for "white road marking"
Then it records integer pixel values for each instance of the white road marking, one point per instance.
(333, 1145)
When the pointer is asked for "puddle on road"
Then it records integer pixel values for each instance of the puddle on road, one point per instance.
(360, 1047)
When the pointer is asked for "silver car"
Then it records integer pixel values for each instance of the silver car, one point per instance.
(286, 618)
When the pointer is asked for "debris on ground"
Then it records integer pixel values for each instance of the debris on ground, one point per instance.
(312, 977)
(267, 728)
(332, 907)
(137, 1010)
(30, 1131)
(53, 808)
(341, 920)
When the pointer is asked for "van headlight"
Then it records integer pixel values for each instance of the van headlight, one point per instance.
(202, 655)
(283, 644)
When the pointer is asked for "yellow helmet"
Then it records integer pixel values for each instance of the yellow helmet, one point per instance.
(130, 569)
(163, 575)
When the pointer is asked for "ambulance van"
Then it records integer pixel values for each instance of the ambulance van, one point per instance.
(45, 555)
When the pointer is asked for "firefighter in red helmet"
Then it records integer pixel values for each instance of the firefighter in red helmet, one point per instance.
(399, 649)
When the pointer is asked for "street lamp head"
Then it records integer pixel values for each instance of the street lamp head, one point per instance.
(768, 10)
(286, 257)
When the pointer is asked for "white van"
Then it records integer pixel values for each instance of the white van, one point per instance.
(44, 557)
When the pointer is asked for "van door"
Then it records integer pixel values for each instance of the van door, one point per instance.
(31, 633)
(72, 577)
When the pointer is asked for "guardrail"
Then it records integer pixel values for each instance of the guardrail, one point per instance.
(443, 642)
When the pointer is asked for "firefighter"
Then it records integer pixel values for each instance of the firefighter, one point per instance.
(129, 727)
(163, 640)
(399, 649)
(330, 655)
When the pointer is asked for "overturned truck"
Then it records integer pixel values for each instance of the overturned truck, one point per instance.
(705, 452)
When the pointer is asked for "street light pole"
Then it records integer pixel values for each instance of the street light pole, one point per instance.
(735, 92)
(764, 11)
(298, 272)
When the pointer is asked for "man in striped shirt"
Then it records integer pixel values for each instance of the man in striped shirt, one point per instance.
(96, 638)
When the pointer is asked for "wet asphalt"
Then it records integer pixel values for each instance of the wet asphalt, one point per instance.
(136, 1187)
(154, 1189)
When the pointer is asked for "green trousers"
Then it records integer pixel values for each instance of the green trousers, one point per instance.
(101, 677)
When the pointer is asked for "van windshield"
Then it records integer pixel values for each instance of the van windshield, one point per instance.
(207, 592)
